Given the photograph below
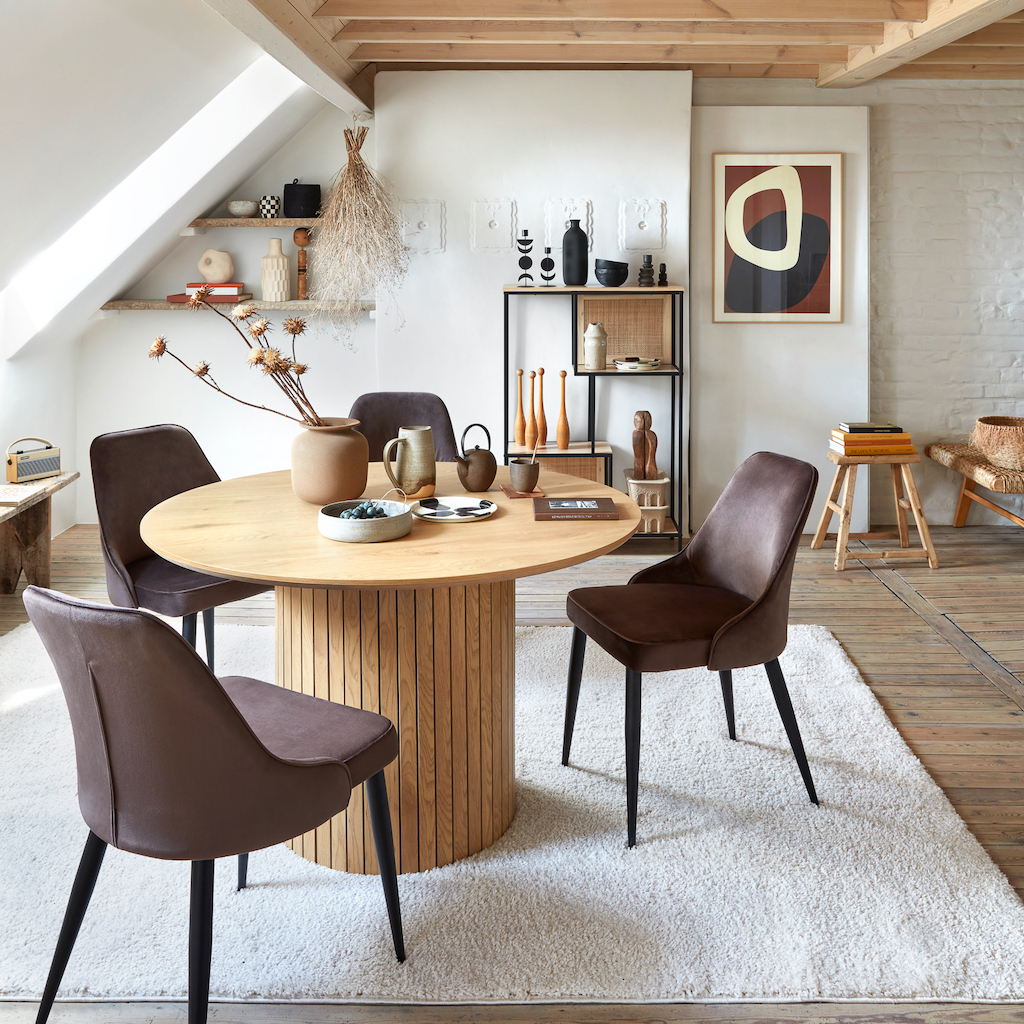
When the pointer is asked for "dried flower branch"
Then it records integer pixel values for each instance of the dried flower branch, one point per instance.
(284, 372)
(358, 247)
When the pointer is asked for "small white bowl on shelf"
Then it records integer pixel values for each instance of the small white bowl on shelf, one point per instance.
(244, 208)
(397, 523)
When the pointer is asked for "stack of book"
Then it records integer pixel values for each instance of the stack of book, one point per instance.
(229, 291)
(865, 439)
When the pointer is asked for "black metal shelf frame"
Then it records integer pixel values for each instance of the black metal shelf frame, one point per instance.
(676, 438)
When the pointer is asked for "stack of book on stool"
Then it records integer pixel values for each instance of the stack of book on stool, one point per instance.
(861, 440)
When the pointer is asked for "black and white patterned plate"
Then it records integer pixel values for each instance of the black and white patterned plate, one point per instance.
(446, 509)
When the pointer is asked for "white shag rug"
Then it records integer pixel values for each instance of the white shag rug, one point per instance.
(739, 889)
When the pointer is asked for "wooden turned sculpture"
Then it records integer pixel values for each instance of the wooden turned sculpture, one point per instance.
(542, 420)
(645, 447)
(519, 431)
(531, 422)
(562, 433)
(301, 238)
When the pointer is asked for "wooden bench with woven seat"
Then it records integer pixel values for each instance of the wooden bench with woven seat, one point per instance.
(969, 461)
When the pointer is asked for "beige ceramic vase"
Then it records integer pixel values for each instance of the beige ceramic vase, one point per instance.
(415, 472)
(330, 463)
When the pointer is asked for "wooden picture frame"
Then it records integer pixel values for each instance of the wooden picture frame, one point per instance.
(761, 273)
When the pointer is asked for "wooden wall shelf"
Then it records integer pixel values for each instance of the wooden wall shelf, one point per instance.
(255, 222)
(133, 305)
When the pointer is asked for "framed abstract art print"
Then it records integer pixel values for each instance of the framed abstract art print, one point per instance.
(778, 238)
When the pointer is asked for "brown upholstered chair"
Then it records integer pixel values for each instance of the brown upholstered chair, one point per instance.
(381, 413)
(133, 470)
(178, 765)
(723, 602)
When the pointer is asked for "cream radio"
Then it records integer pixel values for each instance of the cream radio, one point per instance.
(31, 464)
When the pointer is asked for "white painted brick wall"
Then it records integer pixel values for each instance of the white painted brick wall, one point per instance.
(947, 181)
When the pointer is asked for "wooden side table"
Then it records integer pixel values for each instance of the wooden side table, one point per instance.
(25, 530)
(845, 481)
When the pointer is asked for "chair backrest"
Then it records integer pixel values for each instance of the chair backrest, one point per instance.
(167, 765)
(381, 413)
(133, 470)
(748, 544)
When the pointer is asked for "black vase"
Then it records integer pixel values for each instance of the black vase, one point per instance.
(574, 255)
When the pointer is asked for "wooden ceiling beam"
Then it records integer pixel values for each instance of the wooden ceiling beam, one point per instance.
(965, 71)
(592, 53)
(958, 54)
(947, 21)
(738, 32)
(699, 70)
(1002, 33)
(626, 10)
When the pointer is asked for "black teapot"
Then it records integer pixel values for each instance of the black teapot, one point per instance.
(477, 468)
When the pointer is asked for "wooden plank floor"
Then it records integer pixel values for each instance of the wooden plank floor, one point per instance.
(943, 650)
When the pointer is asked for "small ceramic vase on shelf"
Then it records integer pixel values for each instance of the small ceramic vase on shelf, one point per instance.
(270, 207)
(595, 348)
(276, 274)
(574, 255)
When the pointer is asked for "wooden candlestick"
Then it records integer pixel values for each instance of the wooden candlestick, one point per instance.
(531, 422)
(519, 431)
(300, 236)
(542, 420)
(562, 432)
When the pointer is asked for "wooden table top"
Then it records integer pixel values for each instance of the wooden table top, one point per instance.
(254, 528)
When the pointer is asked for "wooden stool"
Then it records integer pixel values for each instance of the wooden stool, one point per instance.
(846, 474)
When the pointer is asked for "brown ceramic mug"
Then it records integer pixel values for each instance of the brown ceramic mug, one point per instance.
(524, 475)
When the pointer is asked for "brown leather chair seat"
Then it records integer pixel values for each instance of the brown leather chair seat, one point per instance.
(643, 627)
(173, 590)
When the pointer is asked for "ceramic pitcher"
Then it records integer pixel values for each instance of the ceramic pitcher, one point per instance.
(414, 470)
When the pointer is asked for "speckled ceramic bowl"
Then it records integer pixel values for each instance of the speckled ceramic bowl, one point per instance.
(244, 208)
(364, 531)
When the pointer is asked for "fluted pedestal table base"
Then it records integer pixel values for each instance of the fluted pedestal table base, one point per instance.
(439, 663)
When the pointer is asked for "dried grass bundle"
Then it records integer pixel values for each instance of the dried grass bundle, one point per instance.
(358, 246)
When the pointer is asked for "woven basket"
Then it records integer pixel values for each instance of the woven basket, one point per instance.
(1001, 439)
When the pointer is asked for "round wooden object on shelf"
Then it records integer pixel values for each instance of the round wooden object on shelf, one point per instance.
(419, 629)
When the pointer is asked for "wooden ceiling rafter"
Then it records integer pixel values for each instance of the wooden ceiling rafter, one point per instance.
(626, 32)
(626, 10)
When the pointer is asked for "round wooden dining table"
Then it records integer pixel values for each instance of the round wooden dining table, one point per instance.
(420, 629)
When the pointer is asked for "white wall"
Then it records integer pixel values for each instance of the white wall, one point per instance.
(777, 387)
(460, 136)
(119, 386)
(92, 88)
(947, 272)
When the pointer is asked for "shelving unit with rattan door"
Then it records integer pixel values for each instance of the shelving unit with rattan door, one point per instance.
(646, 322)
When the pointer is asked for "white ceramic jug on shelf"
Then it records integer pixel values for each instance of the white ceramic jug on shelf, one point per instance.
(276, 274)
(595, 347)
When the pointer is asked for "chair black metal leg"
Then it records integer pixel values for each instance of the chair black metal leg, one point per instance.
(188, 629)
(208, 614)
(572, 696)
(243, 870)
(730, 711)
(633, 680)
(785, 706)
(383, 840)
(200, 940)
(78, 903)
